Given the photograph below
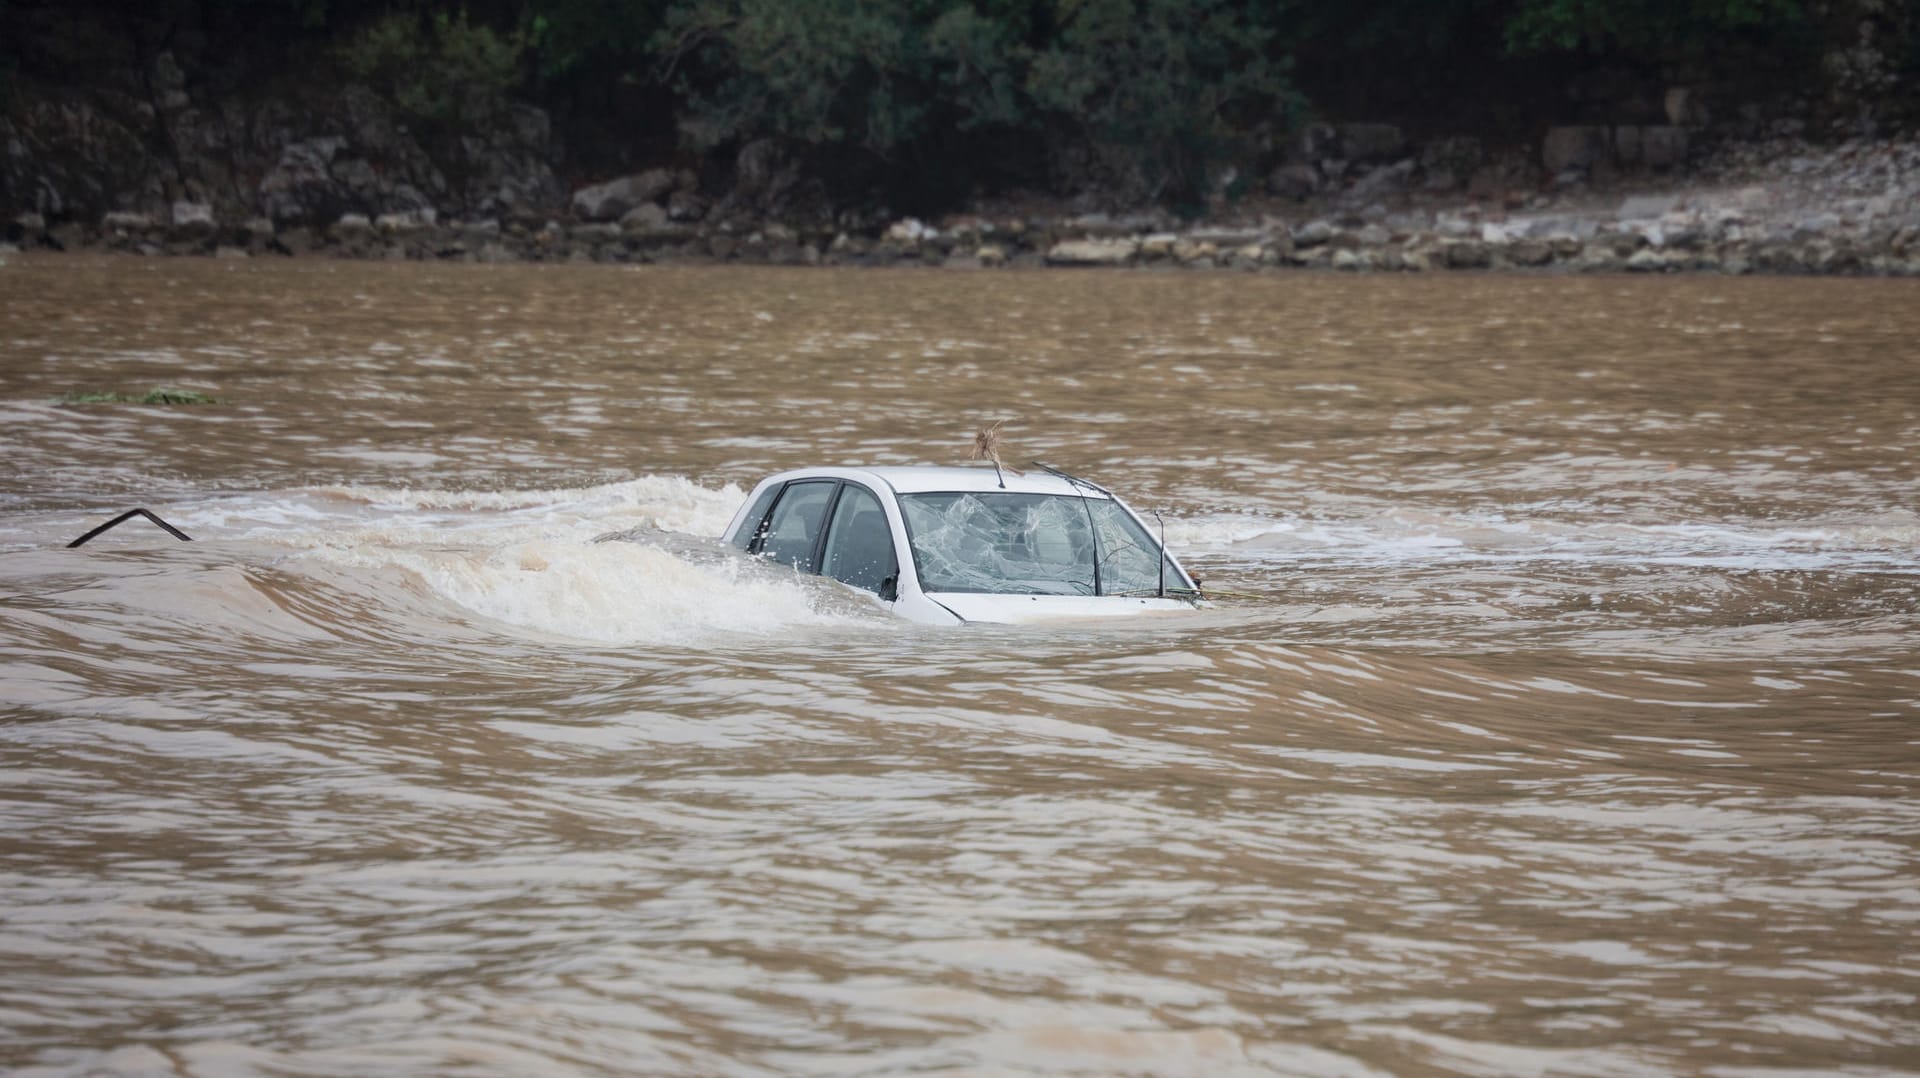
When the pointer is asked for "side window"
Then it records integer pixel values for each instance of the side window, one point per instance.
(750, 526)
(859, 544)
(796, 522)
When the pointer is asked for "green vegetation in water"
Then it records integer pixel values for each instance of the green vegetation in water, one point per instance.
(152, 396)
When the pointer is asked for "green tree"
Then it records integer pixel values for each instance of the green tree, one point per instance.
(821, 73)
(441, 70)
(1650, 28)
(1157, 91)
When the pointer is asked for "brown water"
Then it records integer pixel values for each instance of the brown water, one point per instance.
(1575, 728)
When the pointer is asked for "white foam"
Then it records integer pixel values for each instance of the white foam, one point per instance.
(669, 502)
(611, 593)
(1888, 541)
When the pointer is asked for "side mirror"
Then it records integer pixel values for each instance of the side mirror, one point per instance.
(890, 587)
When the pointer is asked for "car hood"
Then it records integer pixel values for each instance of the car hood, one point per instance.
(1013, 609)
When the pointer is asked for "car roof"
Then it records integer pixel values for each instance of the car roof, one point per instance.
(924, 479)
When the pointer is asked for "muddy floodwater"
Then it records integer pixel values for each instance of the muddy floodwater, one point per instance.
(1565, 718)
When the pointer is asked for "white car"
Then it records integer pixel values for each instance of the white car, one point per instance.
(943, 545)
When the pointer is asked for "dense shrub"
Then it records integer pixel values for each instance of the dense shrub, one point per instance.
(441, 70)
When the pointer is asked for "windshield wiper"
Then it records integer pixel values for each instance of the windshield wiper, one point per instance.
(1086, 504)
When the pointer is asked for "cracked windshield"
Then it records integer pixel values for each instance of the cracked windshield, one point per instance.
(1030, 543)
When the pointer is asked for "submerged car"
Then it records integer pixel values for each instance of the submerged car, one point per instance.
(945, 545)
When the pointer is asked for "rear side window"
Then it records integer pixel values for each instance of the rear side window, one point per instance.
(750, 528)
(859, 545)
(794, 531)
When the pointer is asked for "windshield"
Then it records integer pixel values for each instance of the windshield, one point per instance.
(1030, 544)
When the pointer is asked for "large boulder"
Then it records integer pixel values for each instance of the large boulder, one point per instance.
(1468, 254)
(615, 199)
(1387, 180)
(1298, 181)
(1114, 252)
(192, 222)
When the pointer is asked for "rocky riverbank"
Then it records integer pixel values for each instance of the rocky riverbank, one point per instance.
(239, 181)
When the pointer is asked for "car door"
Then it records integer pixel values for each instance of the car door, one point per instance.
(859, 549)
(792, 535)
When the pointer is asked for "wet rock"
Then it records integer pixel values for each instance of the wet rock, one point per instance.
(645, 218)
(614, 199)
(1313, 234)
(1246, 258)
(1228, 237)
(1647, 206)
(685, 205)
(597, 233)
(27, 227)
(1468, 254)
(126, 223)
(294, 241)
(1158, 246)
(1529, 252)
(1407, 223)
(1191, 252)
(1108, 226)
(405, 225)
(256, 233)
(66, 236)
(1374, 235)
(909, 233)
(1386, 180)
(1295, 181)
(1647, 260)
(192, 223)
(1815, 225)
(1317, 257)
(1093, 252)
(1682, 232)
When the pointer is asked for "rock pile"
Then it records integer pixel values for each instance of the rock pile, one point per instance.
(1741, 230)
(244, 182)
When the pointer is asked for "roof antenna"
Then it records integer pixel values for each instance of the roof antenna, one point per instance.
(986, 446)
